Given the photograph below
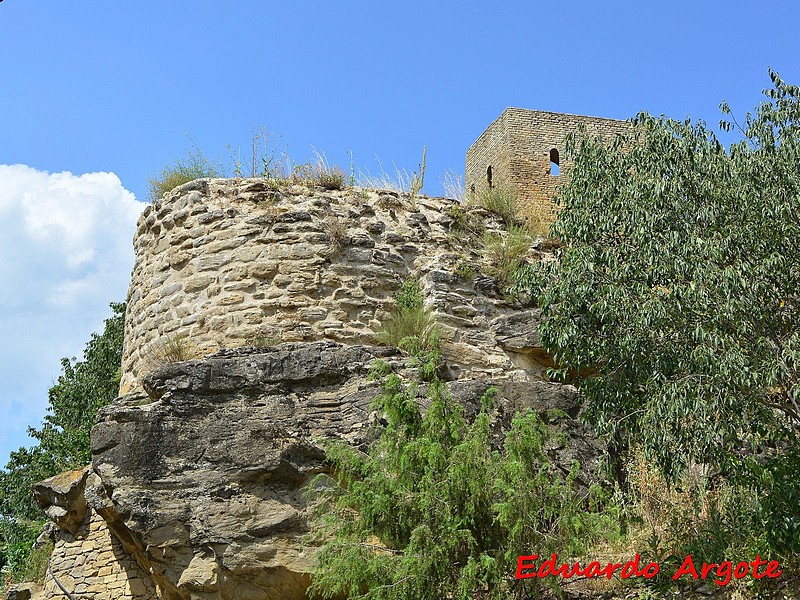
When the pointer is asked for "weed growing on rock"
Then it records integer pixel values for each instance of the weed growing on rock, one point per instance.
(501, 201)
(412, 327)
(195, 166)
(466, 224)
(504, 254)
(326, 176)
(264, 159)
(465, 270)
(170, 350)
(453, 184)
(336, 231)
(263, 341)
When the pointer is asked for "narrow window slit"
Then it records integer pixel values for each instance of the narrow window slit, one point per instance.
(555, 169)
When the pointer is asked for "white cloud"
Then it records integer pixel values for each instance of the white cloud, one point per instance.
(65, 254)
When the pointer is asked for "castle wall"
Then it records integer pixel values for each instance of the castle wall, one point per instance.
(229, 263)
(490, 149)
(92, 565)
(524, 150)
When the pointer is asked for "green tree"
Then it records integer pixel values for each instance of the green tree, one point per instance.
(63, 439)
(677, 296)
(434, 511)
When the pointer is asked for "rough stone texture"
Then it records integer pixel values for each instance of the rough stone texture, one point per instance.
(517, 147)
(22, 591)
(61, 498)
(93, 565)
(196, 486)
(207, 472)
(228, 263)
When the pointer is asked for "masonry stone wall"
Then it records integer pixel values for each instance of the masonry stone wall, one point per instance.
(518, 147)
(92, 565)
(230, 263)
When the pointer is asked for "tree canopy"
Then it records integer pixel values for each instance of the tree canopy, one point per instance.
(676, 295)
(63, 439)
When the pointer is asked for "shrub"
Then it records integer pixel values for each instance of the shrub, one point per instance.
(332, 178)
(320, 173)
(434, 511)
(22, 558)
(195, 166)
(712, 519)
(465, 270)
(412, 327)
(465, 222)
(337, 233)
(409, 296)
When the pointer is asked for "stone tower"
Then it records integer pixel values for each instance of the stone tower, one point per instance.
(523, 151)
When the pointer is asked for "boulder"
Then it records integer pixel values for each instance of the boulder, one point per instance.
(62, 500)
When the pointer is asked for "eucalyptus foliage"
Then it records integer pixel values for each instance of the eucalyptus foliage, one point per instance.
(676, 295)
(433, 510)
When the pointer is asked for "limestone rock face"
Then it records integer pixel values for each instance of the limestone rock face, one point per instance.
(208, 471)
(228, 262)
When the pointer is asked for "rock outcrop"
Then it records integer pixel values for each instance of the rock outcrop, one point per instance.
(197, 488)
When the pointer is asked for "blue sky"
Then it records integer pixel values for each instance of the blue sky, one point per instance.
(110, 92)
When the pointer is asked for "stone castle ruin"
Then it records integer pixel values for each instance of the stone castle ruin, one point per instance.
(522, 151)
(195, 490)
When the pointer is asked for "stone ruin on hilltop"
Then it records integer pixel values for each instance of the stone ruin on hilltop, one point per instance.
(195, 486)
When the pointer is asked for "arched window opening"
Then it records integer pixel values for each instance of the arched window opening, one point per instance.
(555, 168)
(489, 176)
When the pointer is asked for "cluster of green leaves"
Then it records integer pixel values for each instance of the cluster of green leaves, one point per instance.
(676, 296)
(63, 439)
(433, 510)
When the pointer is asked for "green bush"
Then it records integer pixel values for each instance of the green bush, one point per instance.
(19, 559)
(409, 296)
(434, 511)
(411, 327)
